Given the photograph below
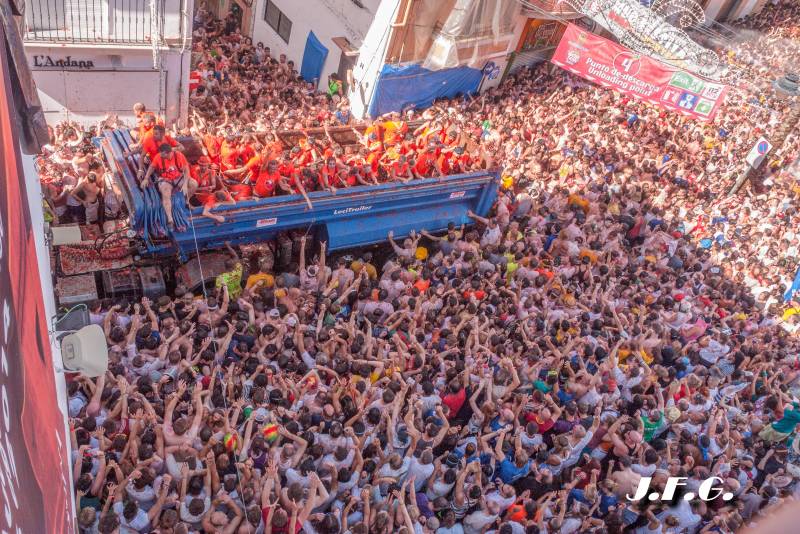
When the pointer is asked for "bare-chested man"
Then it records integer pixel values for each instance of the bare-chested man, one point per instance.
(88, 192)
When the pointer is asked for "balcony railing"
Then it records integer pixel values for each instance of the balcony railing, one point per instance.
(93, 21)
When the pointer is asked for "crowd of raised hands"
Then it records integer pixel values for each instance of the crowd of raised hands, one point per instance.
(616, 316)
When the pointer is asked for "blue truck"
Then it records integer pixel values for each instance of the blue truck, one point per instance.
(351, 217)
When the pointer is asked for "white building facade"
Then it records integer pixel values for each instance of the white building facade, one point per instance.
(340, 26)
(360, 38)
(90, 58)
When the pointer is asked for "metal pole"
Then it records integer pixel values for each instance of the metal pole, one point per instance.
(781, 134)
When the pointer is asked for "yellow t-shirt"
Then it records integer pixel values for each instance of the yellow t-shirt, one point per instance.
(791, 311)
(371, 271)
(623, 354)
(254, 279)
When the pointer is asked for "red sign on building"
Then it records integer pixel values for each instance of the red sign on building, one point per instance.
(616, 67)
(35, 489)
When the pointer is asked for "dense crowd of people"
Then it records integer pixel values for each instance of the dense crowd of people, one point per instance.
(616, 316)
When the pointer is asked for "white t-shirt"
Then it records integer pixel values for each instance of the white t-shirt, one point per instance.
(455, 529)
(491, 236)
(139, 523)
(474, 522)
(420, 471)
(194, 519)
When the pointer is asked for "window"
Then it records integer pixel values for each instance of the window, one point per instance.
(278, 21)
(285, 28)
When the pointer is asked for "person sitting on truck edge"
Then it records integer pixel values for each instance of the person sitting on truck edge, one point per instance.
(207, 177)
(172, 172)
(329, 175)
(401, 170)
(267, 179)
(218, 198)
(427, 162)
(296, 182)
(286, 167)
(263, 173)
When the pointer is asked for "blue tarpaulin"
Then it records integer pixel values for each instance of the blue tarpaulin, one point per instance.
(313, 59)
(399, 87)
(793, 289)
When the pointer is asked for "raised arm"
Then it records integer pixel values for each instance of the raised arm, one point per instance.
(478, 218)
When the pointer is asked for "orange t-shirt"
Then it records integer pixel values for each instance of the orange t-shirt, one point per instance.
(393, 132)
(212, 144)
(374, 129)
(228, 156)
(516, 512)
(254, 165)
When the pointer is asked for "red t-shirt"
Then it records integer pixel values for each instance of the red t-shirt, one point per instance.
(204, 178)
(280, 530)
(286, 169)
(332, 177)
(170, 169)
(444, 162)
(462, 163)
(544, 426)
(246, 152)
(454, 401)
(400, 169)
(150, 145)
(266, 183)
(424, 166)
(255, 165)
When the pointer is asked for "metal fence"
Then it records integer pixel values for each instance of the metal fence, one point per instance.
(93, 21)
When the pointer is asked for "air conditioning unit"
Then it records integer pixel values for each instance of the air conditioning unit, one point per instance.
(85, 351)
(83, 345)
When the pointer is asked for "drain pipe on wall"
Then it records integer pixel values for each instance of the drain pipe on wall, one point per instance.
(186, 22)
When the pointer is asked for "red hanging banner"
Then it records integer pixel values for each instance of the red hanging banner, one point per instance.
(613, 66)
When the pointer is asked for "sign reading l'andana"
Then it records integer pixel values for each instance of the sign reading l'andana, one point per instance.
(62, 63)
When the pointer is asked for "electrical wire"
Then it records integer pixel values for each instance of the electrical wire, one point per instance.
(224, 395)
(197, 251)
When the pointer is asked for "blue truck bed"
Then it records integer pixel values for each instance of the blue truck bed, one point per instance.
(352, 217)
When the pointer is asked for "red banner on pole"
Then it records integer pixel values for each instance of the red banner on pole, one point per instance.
(616, 67)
